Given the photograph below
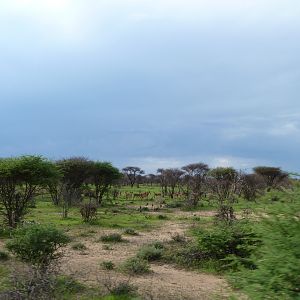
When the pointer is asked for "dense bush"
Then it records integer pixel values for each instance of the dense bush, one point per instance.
(150, 253)
(232, 245)
(136, 266)
(38, 244)
(277, 274)
(108, 265)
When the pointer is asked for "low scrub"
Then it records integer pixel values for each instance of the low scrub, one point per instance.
(108, 265)
(136, 266)
(150, 253)
(112, 238)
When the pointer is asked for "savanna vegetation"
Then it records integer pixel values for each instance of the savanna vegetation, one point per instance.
(82, 229)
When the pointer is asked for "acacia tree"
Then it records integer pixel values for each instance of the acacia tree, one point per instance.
(252, 185)
(170, 178)
(194, 180)
(20, 180)
(102, 175)
(132, 173)
(273, 177)
(224, 183)
(75, 173)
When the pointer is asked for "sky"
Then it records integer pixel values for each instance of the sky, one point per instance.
(152, 83)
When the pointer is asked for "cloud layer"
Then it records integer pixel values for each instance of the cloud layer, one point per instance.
(152, 82)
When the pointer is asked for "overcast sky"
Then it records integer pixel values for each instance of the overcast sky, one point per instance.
(153, 83)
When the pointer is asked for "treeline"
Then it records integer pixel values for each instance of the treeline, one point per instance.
(69, 181)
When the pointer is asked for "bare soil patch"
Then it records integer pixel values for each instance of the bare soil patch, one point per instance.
(164, 282)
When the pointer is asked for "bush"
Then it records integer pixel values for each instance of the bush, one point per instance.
(277, 274)
(136, 266)
(38, 244)
(232, 245)
(3, 256)
(123, 288)
(88, 212)
(108, 265)
(157, 244)
(65, 285)
(150, 253)
(111, 238)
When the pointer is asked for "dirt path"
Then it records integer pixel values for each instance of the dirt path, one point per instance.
(164, 282)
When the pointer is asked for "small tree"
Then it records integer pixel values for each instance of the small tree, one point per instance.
(75, 173)
(170, 178)
(20, 180)
(251, 186)
(273, 177)
(194, 180)
(88, 211)
(224, 183)
(102, 176)
(132, 173)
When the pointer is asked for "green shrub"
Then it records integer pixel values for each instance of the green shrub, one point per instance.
(111, 238)
(150, 253)
(38, 244)
(231, 244)
(66, 285)
(157, 245)
(136, 266)
(79, 246)
(3, 256)
(277, 274)
(123, 288)
(108, 265)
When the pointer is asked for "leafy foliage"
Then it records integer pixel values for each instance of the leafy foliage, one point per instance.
(20, 178)
(38, 244)
(277, 262)
(150, 253)
(136, 266)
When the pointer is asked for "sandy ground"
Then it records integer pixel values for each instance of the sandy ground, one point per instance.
(164, 282)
